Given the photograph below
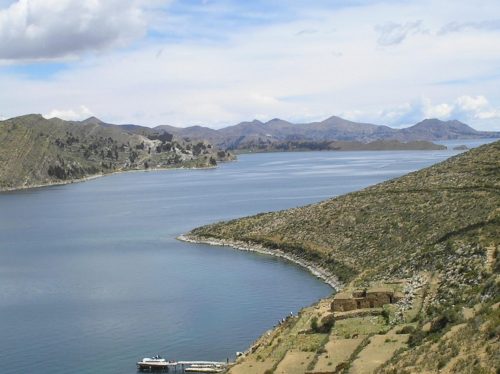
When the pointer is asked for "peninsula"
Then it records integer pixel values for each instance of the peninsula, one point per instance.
(416, 259)
(37, 151)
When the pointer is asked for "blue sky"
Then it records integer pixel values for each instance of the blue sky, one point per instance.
(219, 62)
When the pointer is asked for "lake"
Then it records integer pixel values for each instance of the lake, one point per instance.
(92, 278)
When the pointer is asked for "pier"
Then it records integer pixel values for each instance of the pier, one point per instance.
(188, 367)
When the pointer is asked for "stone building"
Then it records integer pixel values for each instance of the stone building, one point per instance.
(364, 299)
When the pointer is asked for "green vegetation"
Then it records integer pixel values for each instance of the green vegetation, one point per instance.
(36, 151)
(441, 224)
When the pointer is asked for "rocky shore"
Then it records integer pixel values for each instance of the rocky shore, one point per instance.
(313, 268)
(59, 183)
(95, 176)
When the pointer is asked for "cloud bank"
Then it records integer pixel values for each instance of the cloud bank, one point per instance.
(47, 29)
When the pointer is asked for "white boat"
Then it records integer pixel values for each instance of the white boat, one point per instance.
(154, 363)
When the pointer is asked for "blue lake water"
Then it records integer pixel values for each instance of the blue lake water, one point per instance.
(92, 277)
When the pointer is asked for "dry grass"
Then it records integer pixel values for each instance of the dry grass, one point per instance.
(379, 350)
(351, 327)
(294, 362)
(251, 366)
(338, 351)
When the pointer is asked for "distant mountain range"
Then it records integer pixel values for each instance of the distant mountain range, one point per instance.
(256, 134)
(281, 135)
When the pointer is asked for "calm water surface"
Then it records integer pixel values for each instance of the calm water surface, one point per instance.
(92, 278)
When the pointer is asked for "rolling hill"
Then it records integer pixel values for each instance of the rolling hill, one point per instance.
(37, 151)
(434, 233)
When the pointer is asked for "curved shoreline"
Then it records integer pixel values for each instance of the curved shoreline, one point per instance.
(313, 268)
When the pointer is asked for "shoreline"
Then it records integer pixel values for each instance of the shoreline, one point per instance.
(249, 152)
(95, 176)
(61, 183)
(316, 270)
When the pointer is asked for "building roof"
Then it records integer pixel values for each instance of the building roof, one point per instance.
(380, 290)
(342, 296)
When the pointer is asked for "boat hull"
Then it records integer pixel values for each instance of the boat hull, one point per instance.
(152, 366)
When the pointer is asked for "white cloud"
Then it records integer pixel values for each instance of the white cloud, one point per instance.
(45, 29)
(486, 25)
(394, 33)
(353, 115)
(489, 114)
(477, 107)
(395, 114)
(79, 113)
(472, 103)
(441, 111)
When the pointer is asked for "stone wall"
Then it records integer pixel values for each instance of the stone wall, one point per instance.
(364, 299)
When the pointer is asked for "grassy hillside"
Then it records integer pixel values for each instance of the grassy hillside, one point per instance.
(441, 223)
(37, 151)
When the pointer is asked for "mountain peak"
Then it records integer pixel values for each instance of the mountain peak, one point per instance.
(277, 122)
(439, 121)
(436, 129)
(436, 122)
(334, 118)
(92, 121)
(246, 123)
(33, 116)
(30, 118)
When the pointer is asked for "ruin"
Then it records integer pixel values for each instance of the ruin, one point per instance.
(364, 299)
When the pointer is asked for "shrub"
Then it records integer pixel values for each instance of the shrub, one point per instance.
(406, 330)
(416, 338)
(385, 316)
(314, 324)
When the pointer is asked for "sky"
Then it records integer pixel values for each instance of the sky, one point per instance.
(219, 62)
